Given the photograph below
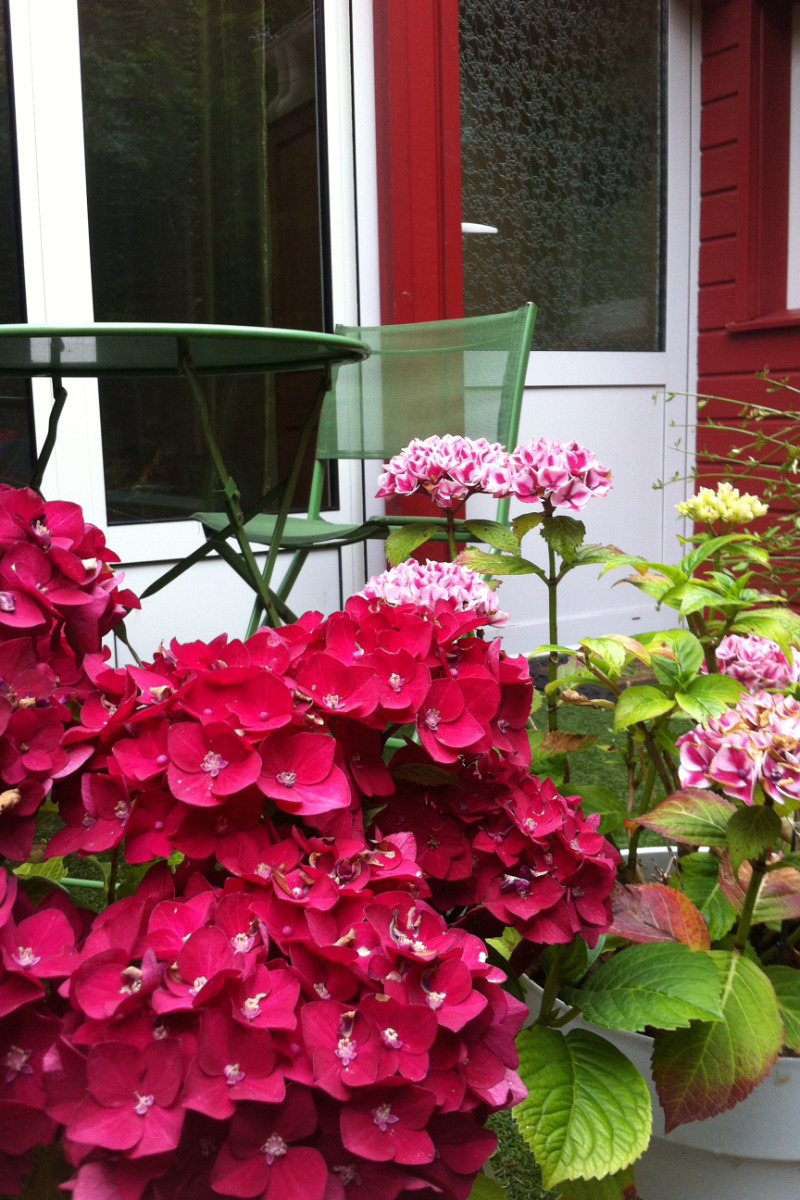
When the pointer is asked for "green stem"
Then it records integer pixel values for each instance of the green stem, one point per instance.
(549, 993)
(759, 866)
(552, 620)
(112, 877)
(451, 534)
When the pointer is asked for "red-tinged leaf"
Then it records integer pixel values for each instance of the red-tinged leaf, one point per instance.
(651, 912)
(694, 816)
(778, 896)
(701, 1071)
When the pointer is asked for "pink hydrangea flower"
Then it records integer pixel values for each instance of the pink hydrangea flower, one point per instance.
(755, 744)
(757, 663)
(448, 468)
(424, 584)
(565, 473)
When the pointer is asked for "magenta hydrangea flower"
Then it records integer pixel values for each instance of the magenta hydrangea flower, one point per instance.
(449, 469)
(565, 473)
(757, 662)
(756, 744)
(425, 584)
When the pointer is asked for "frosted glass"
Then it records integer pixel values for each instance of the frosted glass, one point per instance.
(562, 142)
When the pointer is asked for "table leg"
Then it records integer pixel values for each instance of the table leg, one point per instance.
(230, 495)
(59, 400)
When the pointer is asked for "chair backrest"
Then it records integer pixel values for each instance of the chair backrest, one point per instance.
(462, 377)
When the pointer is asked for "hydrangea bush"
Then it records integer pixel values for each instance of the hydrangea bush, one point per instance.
(292, 994)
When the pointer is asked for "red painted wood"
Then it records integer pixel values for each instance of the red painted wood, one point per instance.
(718, 169)
(721, 353)
(419, 159)
(716, 306)
(719, 215)
(720, 27)
(719, 122)
(719, 75)
(718, 260)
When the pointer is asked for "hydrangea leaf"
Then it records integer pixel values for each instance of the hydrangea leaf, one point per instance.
(786, 982)
(587, 1113)
(666, 985)
(778, 896)
(709, 1067)
(485, 1188)
(693, 816)
(595, 799)
(493, 534)
(525, 522)
(653, 912)
(401, 543)
(619, 1186)
(708, 696)
(594, 553)
(699, 879)
(563, 535)
(497, 564)
(640, 704)
(750, 832)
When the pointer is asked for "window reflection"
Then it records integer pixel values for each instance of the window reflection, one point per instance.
(202, 176)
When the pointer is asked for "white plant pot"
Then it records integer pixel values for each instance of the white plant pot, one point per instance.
(750, 1152)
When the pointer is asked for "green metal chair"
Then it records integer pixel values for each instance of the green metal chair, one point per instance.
(461, 377)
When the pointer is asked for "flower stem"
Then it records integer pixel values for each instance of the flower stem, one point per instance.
(552, 618)
(759, 866)
(451, 533)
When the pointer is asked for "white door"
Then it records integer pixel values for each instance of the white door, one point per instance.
(579, 134)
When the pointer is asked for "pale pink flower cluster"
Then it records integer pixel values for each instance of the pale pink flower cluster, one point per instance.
(757, 662)
(449, 468)
(565, 473)
(425, 584)
(755, 744)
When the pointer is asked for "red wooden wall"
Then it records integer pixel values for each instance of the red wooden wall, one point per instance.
(744, 325)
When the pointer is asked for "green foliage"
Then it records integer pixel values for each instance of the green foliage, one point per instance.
(698, 877)
(402, 542)
(705, 1069)
(665, 985)
(750, 832)
(587, 1113)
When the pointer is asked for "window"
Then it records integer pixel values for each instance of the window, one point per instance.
(200, 127)
(562, 150)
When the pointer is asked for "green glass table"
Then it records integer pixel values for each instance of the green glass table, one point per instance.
(139, 350)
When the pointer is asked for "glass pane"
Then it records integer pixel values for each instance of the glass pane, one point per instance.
(17, 446)
(201, 156)
(562, 142)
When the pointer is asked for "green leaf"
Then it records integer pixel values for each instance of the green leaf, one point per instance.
(750, 832)
(607, 653)
(640, 704)
(786, 982)
(563, 535)
(709, 696)
(493, 534)
(498, 564)
(663, 984)
(612, 810)
(698, 875)
(524, 523)
(401, 543)
(708, 548)
(676, 657)
(764, 624)
(546, 766)
(594, 554)
(619, 1186)
(507, 943)
(694, 816)
(709, 1067)
(485, 1188)
(587, 1113)
(53, 870)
